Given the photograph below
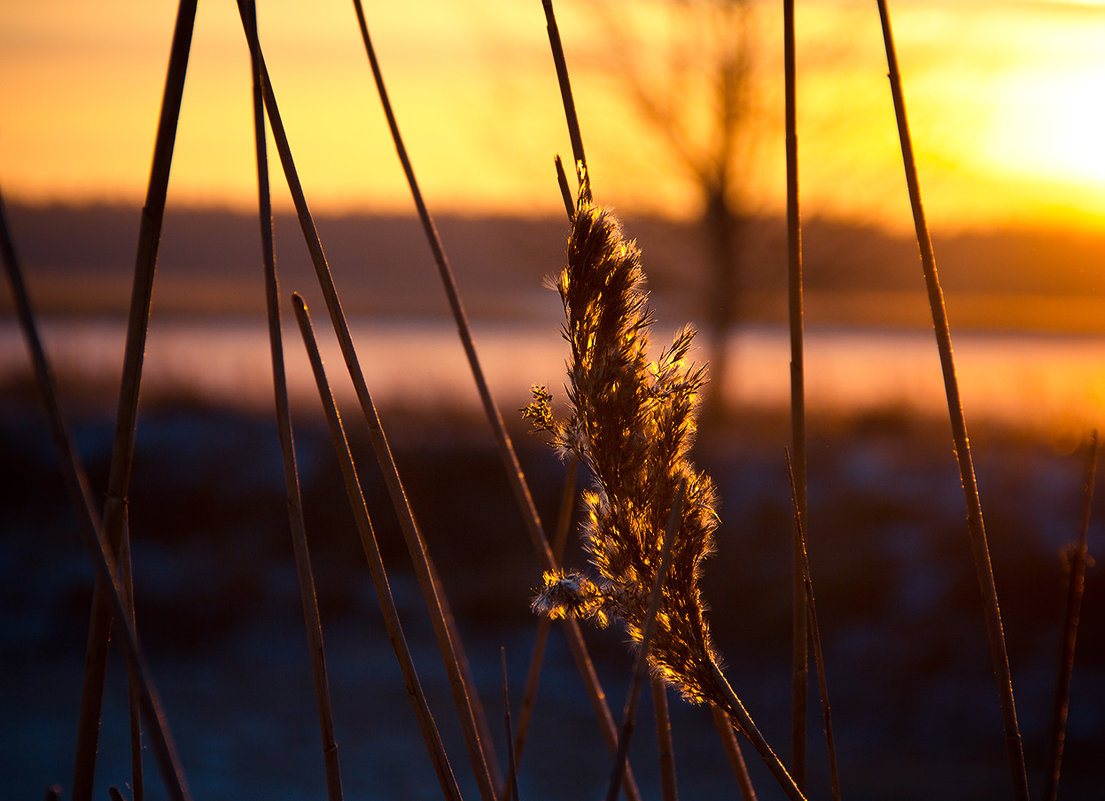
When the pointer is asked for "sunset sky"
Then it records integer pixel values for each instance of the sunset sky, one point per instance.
(1006, 100)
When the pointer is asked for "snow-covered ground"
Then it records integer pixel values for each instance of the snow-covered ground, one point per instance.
(915, 711)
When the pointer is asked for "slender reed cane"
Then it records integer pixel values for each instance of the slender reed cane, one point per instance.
(308, 597)
(668, 786)
(511, 794)
(426, 724)
(724, 728)
(629, 718)
(113, 593)
(743, 722)
(566, 96)
(447, 641)
(565, 190)
(1075, 587)
(506, 448)
(800, 680)
(815, 634)
(976, 528)
(123, 561)
(564, 522)
(598, 700)
(115, 514)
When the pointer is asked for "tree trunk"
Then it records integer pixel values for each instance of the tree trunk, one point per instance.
(721, 230)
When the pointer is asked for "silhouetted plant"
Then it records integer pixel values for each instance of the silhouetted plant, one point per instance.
(632, 423)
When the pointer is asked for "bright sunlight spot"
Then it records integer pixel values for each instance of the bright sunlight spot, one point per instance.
(1051, 125)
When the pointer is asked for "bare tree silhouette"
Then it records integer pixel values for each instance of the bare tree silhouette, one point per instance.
(686, 67)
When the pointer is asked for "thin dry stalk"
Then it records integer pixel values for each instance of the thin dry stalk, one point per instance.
(152, 711)
(565, 190)
(743, 722)
(815, 633)
(465, 670)
(976, 528)
(566, 96)
(426, 724)
(629, 717)
(800, 625)
(115, 515)
(666, 748)
(1076, 556)
(598, 700)
(724, 728)
(447, 640)
(533, 676)
(568, 499)
(100, 552)
(138, 784)
(506, 448)
(511, 794)
(308, 596)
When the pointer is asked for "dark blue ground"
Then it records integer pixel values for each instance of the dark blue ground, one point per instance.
(915, 711)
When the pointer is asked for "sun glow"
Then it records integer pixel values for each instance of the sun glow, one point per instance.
(1051, 125)
(1006, 100)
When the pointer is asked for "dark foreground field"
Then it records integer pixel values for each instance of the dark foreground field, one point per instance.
(915, 710)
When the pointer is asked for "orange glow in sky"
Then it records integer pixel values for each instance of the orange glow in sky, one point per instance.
(1005, 101)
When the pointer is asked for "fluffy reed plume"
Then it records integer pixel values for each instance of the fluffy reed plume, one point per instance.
(632, 423)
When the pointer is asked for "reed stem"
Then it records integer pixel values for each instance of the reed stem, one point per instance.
(307, 592)
(728, 737)
(511, 793)
(506, 448)
(815, 633)
(92, 535)
(598, 700)
(1076, 585)
(544, 625)
(976, 528)
(447, 640)
(569, 101)
(743, 722)
(138, 785)
(669, 787)
(430, 735)
(640, 669)
(115, 516)
(800, 624)
(565, 190)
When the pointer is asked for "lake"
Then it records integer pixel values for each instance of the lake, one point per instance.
(1042, 382)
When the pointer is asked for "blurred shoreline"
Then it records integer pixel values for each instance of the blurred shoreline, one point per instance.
(78, 261)
(1044, 384)
(1027, 309)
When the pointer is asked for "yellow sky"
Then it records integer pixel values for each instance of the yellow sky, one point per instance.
(1006, 100)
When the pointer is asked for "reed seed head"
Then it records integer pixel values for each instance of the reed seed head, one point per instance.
(632, 423)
